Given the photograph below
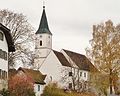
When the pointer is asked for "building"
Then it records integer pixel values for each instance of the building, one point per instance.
(6, 45)
(60, 66)
(36, 76)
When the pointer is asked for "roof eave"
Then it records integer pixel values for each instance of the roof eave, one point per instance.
(41, 83)
(11, 46)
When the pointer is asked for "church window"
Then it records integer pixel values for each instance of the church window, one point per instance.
(70, 85)
(40, 43)
(1, 36)
(3, 54)
(84, 74)
(38, 87)
(0, 73)
(80, 73)
(40, 36)
(70, 73)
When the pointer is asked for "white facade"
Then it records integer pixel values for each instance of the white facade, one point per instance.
(4, 47)
(52, 67)
(56, 71)
(3, 62)
(43, 46)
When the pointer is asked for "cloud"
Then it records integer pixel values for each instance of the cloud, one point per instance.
(70, 21)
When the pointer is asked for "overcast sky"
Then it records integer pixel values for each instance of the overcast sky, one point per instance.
(70, 21)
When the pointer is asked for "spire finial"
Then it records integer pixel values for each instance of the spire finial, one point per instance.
(43, 4)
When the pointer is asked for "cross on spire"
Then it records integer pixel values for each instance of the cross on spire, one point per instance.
(43, 27)
(43, 4)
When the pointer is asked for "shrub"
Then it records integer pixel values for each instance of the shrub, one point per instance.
(21, 86)
(4, 92)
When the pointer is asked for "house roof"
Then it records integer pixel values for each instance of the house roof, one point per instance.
(36, 75)
(43, 27)
(81, 61)
(6, 31)
(62, 58)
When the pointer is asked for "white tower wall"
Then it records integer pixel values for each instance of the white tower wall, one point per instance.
(43, 46)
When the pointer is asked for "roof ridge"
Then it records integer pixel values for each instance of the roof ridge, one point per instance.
(62, 59)
(73, 52)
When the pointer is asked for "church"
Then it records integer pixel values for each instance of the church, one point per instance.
(64, 67)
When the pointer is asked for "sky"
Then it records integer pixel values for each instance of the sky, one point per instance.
(70, 21)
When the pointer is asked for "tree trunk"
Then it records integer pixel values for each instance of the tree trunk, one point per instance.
(110, 81)
(74, 80)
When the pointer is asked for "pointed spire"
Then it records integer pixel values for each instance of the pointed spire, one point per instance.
(43, 27)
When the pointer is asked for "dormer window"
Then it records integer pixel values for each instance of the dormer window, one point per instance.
(1, 36)
(40, 43)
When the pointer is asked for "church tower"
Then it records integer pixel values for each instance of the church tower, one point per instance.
(43, 42)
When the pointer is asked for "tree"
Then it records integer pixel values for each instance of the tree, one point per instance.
(105, 50)
(21, 86)
(4, 92)
(72, 75)
(22, 34)
(99, 84)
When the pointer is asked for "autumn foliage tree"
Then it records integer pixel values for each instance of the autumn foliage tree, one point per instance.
(105, 50)
(22, 34)
(21, 86)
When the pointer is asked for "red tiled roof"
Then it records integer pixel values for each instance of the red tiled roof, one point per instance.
(81, 61)
(62, 58)
(36, 75)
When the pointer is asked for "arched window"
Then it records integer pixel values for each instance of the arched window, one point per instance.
(40, 43)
